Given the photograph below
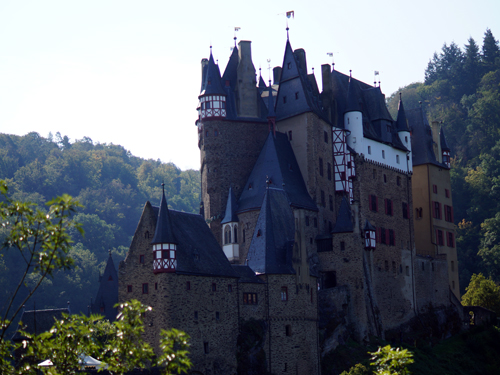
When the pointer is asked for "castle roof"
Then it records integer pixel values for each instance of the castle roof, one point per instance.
(245, 274)
(230, 73)
(231, 205)
(270, 251)
(297, 93)
(212, 84)
(198, 252)
(38, 321)
(163, 232)
(276, 167)
(371, 102)
(344, 218)
(442, 139)
(107, 294)
(401, 121)
(422, 144)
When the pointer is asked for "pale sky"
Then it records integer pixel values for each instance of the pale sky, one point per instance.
(128, 72)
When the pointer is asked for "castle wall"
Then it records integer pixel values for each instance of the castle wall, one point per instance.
(228, 152)
(292, 326)
(431, 283)
(309, 146)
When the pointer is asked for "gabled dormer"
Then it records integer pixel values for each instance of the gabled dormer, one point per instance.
(212, 99)
(164, 242)
(230, 229)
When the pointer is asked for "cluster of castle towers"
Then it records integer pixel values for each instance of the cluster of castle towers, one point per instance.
(319, 213)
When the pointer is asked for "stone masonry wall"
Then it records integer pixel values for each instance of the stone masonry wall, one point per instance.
(228, 152)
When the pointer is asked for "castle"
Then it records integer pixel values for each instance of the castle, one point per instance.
(326, 217)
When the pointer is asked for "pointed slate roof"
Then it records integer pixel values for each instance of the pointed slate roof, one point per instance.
(270, 251)
(212, 84)
(270, 102)
(262, 84)
(344, 218)
(246, 275)
(401, 122)
(296, 94)
(107, 295)
(369, 226)
(442, 139)
(163, 232)
(421, 140)
(230, 73)
(198, 252)
(231, 205)
(278, 165)
(352, 102)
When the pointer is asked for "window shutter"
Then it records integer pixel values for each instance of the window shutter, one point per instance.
(451, 218)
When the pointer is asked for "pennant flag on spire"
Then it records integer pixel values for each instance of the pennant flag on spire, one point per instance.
(290, 14)
(236, 28)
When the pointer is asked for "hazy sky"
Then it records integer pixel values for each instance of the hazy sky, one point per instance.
(128, 72)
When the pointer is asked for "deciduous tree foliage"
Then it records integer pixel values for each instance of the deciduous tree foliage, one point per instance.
(482, 292)
(462, 89)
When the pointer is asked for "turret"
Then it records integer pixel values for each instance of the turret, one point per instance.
(353, 119)
(164, 242)
(230, 229)
(402, 126)
(212, 98)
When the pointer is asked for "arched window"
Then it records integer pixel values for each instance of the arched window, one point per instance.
(235, 236)
(227, 235)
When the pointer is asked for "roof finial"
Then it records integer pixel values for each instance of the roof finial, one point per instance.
(109, 251)
(287, 28)
(313, 70)
(400, 96)
(350, 73)
(163, 187)
(268, 182)
(378, 83)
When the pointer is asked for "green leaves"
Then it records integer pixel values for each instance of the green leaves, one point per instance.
(391, 361)
(482, 292)
(119, 345)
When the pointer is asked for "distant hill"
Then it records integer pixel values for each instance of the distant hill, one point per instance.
(109, 181)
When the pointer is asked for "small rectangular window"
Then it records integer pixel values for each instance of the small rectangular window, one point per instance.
(145, 288)
(439, 237)
(288, 330)
(446, 193)
(369, 150)
(450, 242)
(206, 347)
(398, 181)
(217, 315)
(156, 286)
(229, 288)
(141, 259)
(321, 167)
(407, 271)
(315, 222)
(196, 315)
(307, 221)
(342, 245)
(373, 202)
(188, 285)
(405, 211)
(325, 135)
(434, 189)
(129, 288)
(397, 159)
(214, 287)
(284, 293)
(297, 95)
(289, 135)
(331, 202)
(383, 154)
(323, 202)
(284, 99)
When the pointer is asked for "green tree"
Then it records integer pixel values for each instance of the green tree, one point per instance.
(41, 240)
(490, 50)
(391, 361)
(482, 292)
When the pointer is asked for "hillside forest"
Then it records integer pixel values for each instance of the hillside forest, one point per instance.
(461, 89)
(113, 187)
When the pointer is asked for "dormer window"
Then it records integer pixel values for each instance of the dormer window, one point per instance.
(213, 106)
(165, 257)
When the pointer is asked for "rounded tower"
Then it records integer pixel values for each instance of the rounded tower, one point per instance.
(353, 119)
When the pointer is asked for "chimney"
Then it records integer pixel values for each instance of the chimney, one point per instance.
(246, 84)
(300, 54)
(276, 75)
(436, 129)
(326, 95)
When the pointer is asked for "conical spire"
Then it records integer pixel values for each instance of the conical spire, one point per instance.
(442, 139)
(369, 226)
(230, 216)
(352, 98)
(163, 232)
(401, 122)
(212, 84)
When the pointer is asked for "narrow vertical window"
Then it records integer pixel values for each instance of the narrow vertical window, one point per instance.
(321, 167)
(290, 135)
(145, 288)
(284, 293)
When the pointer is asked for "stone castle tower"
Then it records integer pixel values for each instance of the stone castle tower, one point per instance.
(309, 201)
